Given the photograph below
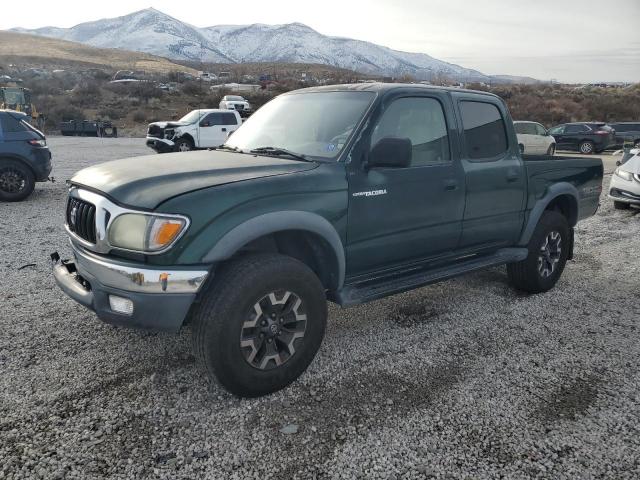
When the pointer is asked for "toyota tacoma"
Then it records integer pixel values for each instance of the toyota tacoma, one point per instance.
(341, 193)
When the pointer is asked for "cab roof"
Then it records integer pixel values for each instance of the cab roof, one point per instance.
(380, 87)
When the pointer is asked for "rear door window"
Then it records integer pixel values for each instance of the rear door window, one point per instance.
(484, 130)
(229, 118)
(576, 129)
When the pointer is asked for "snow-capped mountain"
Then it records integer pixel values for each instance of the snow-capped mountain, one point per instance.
(152, 31)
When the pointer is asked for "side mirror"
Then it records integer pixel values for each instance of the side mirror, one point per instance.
(618, 163)
(391, 152)
(205, 124)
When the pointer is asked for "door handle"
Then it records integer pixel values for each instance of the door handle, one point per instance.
(450, 185)
(512, 177)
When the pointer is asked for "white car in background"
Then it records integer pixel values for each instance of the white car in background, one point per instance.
(237, 103)
(534, 139)
(204, 128)
(624, 189)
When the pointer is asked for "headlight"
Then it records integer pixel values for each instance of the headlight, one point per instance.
(145, 233)
(628, 176)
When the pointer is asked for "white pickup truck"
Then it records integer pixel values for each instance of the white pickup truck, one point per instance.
(197, 129)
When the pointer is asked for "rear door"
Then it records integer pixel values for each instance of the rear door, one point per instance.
(574, 134)
(230, 123)
(495, 174)
(210, 130)
(398, 216)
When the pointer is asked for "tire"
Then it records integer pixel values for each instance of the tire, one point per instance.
(17, 181)
(586, 147)
(551, 150)
(184, 145)
(621, 205)
(540, 271)
(237, 342)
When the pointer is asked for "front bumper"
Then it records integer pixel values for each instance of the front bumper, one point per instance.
(160, 145)
(627, 191)
(161, 298)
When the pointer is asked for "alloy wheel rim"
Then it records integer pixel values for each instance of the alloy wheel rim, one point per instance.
(586, 148)
(12, 180)
(184, 147)
(550, 252)
(273, 326)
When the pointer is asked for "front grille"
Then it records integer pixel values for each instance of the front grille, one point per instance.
(155, 131)
(81, 219)
(239, 106)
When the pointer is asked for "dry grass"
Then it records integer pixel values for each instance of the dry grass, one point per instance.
(53, 51)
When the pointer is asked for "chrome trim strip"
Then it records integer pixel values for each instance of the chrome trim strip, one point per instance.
(103, 207)
(134, 278)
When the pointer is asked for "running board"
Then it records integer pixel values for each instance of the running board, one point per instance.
(369, 290)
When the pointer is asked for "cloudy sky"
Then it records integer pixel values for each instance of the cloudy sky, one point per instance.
(568, 40)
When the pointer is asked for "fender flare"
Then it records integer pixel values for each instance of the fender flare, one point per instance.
(274, 222)
(553, 192)
(21, 159)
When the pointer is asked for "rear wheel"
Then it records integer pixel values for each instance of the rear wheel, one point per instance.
(184, 145)
(586, 147)
(16, 181)
(621, 205)
(548, 251)
(260, 324)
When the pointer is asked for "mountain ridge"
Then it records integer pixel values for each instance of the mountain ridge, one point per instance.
(154, 32)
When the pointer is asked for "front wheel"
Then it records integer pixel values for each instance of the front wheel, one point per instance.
(260, 323)
(548, 252)
(16, 181)
(184, 145)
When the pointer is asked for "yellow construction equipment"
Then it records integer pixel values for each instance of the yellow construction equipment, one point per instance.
(19, 99)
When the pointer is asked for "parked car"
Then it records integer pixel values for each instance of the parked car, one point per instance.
(24, 156)
(583, 137)
(626, 132)
(196, 130)
(349, 193)
(624, 189)
(237, 103)
(533, 138)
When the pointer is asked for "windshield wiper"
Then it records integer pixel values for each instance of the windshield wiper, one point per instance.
(277, 151)
(227, 147)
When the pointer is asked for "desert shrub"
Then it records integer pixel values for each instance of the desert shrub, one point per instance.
(111, 113)
(139, 116)
(192, 88)
(62, 113)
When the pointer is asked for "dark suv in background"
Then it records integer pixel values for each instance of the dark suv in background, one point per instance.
(24, 156)
(587, 137)
(626, 132)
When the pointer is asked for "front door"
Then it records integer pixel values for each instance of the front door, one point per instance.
(494, 172)
(210, 130)
(398, 216)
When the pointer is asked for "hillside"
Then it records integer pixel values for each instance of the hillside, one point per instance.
(155, 32)
(54, 53)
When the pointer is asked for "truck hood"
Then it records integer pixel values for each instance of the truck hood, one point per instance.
(169, 124)
(147, 181)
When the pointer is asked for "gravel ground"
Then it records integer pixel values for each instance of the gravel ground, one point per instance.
(464, 379)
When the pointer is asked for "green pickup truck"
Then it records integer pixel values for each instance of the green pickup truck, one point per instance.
(343, 193)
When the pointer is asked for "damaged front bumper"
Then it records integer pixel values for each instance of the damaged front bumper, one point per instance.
(129, 294)
(160, 145)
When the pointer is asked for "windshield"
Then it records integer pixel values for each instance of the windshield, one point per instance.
(14, 97)
(315, 124)
(191, 117)
(235, 98)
